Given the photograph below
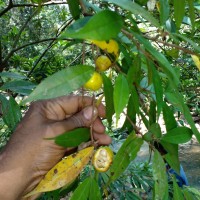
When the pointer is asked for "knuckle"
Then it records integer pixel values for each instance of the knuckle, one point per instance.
(78, 121)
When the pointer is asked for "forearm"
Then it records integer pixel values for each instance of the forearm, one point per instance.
(13, 176)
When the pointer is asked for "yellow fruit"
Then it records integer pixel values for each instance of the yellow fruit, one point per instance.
(95, 82)
(111, 46)
(102, 159)
(103, 63)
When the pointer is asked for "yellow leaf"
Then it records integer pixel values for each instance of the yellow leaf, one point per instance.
(196, 61)
(63, 172)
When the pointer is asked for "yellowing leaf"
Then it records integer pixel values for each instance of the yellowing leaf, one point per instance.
(64, 172)
(196, 61)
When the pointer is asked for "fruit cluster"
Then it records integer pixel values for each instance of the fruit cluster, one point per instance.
(102, 63)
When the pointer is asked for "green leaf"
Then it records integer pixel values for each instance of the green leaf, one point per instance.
(12, 75)
(121, 94)
(62, 82)
(73, 138)
(152, 113)
(94, 190)
(155, 130)
(178, 135)
(172, 156)
(132, 110)
(74, 8)
(173, 161)
(177, 101)
(177, 194)
(187, 195)
(108, 92)
(87, 190)
(194, 191)
(144, 119)
(134, 72)
(160, 177)
(179, 11)
(125, 155)
(166, 66)
(168, 115)
(164, 11)
(136, 10)
(158, 89)
(19, 86)
(11, 112)
(96, 27)
(191, 12)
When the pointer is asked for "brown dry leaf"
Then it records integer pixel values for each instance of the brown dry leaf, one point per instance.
(64, 172)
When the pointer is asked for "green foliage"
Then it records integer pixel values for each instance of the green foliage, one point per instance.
(46, 52)
(73, 138)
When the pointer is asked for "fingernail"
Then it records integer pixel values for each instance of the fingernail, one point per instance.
(90, 112)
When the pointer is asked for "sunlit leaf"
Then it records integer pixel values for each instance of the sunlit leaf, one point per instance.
(178, 135)
(121, 94)
(196, 61)
(96, 27)
(64, 172)
(62, 82)
(73, 138)
(160, 177)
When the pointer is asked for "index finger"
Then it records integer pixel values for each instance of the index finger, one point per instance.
(65, 106)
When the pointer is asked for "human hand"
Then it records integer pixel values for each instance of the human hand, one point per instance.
(28, 157)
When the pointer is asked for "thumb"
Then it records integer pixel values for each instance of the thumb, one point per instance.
(84, 118)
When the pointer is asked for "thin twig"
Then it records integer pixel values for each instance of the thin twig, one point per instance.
(11, 5)
(49, 46)
(137, 129)
(17, 39)
(155, 39)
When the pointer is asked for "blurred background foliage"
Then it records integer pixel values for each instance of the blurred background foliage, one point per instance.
(30, 52)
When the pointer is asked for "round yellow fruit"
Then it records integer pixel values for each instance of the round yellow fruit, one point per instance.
(102, 159)
(111, 46)
(95, 82)
(103, 63)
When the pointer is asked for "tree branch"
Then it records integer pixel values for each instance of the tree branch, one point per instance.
(155, 39)
(11, 5)
(5, 10)
(4, 62)
(173, 45)
(60, 30)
